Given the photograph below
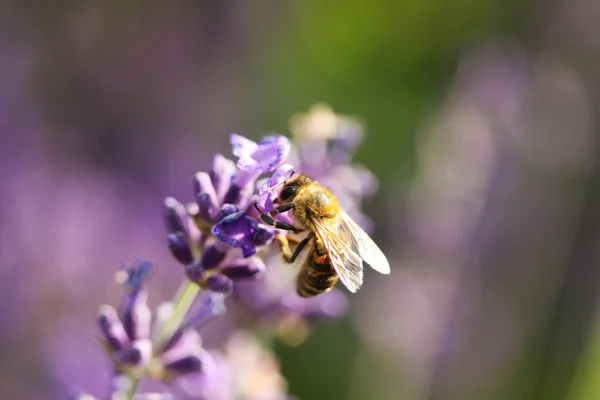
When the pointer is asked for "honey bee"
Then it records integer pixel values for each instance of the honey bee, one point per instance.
(339, 247)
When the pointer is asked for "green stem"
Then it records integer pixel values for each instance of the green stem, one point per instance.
(186, 294)
(135, 382)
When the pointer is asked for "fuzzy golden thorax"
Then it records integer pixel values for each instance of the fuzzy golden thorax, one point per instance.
(311, 200)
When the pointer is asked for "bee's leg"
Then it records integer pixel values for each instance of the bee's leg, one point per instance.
(284, 245)
(269, 220)
(281, 209)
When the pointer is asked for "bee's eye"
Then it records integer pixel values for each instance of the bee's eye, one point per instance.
(287, 193)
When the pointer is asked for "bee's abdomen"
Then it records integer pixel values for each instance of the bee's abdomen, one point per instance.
(316, 276)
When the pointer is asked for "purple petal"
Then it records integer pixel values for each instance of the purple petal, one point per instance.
(261, 235)
(269, 190)
(180, 247)
(242, 147)
(112, 328)
(268, 153)
(239, 231)
(244, 268)
(220, 284)
(274, 150)
(255, 159)
(220, 174)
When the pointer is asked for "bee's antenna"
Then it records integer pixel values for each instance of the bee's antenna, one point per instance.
(276, 186)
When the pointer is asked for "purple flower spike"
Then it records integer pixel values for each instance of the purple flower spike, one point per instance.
(180, 247)
(255, 159)
(112, 328)
(244, 268)
(135, 312)
(220, 284)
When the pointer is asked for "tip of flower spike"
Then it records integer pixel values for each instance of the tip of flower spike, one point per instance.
(134, 277)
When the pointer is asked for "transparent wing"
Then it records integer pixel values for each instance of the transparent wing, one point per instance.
(344, 259)
(361, 243)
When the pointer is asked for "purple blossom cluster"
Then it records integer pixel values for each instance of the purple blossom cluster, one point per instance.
(224, 250)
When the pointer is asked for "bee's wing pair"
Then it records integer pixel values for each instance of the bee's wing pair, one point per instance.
(347, 247)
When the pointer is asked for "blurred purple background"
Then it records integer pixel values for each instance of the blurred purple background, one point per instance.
(483, 133)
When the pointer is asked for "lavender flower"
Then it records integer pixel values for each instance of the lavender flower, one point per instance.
(127, 333)
(224, 248)
(215, 238)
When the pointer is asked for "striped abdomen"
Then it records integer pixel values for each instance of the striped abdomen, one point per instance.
(316, 275)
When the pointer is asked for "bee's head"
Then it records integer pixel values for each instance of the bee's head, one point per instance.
(291, 187)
